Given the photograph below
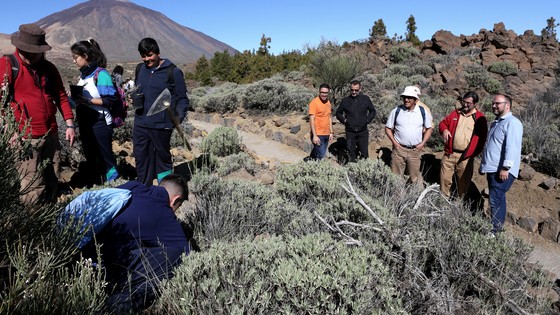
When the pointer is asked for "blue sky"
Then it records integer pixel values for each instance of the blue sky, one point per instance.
(296, 24)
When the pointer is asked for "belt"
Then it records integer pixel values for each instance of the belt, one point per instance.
(458, 151)
(408, 146)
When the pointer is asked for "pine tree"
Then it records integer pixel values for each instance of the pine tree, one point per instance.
(378, 31)
(550, 30)
(203, 71)
(411, 31)
(264, 47)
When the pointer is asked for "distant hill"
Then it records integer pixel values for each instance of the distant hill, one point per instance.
(118, 26)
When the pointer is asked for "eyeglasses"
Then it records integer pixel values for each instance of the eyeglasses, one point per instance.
(355, 90)
(468, 103)
(408, 97)
(321, 92)
(75, 57)
(497, 103)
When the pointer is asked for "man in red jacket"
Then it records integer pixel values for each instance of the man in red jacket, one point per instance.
(464, 132)
(34, 96)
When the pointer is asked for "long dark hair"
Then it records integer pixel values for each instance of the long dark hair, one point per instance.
(90, 50)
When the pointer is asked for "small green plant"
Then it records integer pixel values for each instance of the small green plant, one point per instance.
(234, 162)
(503, 68)
(476, 75)
(223, 141)
(493, 85)
(402, 54)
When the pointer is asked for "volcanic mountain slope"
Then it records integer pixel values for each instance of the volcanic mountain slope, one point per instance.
(118, 26)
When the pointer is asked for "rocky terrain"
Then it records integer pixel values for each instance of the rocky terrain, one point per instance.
(533, 201)
(535, 59)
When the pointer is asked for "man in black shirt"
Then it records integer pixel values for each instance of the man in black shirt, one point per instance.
(355, 113)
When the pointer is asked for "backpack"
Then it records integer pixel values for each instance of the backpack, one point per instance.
(118, 109)
(14, 64)
(422, 111)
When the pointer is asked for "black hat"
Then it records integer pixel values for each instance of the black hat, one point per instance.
(30, 38)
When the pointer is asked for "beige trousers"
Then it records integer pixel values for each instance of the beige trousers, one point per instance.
(403, 159)
(37, 170)
(454, 168)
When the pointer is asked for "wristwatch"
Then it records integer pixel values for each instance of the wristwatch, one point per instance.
(505, 168)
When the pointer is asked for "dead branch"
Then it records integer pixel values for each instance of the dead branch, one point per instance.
(433, 187)
(511, 304)
(349, 240)
(344, 222)
(351, 191)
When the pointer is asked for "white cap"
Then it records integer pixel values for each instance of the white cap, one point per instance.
(412, 91)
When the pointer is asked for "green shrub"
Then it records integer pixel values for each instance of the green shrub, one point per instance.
(224, 98)
(273, 96)
(37, 274)
(503, 68)
(222, 141)
(436, 250)
(541, 135)
(402, 54)
(234, 162)
(476, 75)
(310, 275)
(227, 210)
(42, 282)
(493, 85)
(409, 70)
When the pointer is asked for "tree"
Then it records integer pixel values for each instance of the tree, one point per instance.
(264, 47)
(330, 65)
(378, 31)
(203, 73)
(221, 65)
(411, 31)
(550, 30)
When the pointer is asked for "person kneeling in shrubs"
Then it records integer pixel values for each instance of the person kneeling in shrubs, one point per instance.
(140, 244)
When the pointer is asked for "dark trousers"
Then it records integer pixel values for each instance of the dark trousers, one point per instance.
(97, 139)
(151, 149)
(359, 140)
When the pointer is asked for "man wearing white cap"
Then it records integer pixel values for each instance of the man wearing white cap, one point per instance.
(408, 127)
(34, 96)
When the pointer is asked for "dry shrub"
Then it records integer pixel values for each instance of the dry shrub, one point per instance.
(310, 275)
(438, 253)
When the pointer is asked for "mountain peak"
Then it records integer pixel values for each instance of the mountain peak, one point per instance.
(118, 26)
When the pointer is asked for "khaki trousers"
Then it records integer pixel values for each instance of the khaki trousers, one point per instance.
(37, 170)
(403, 159)
(452, 167)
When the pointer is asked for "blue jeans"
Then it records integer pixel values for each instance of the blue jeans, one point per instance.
(497, 199)
(320, 151)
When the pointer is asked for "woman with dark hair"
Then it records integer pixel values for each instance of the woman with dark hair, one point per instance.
(95, 121)
(117, 75)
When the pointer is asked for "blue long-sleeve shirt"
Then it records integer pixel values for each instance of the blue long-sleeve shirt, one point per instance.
(151, 82)
(503, 146)
(145, 229)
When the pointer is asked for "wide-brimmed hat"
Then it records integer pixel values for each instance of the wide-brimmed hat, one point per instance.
(411, 91)
(30, 38)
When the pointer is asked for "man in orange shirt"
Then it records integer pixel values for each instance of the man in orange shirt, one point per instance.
(321, 123)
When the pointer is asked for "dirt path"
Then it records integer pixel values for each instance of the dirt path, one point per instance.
(264, 148)
(545, 253)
